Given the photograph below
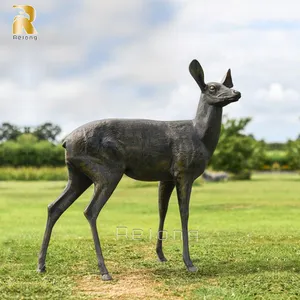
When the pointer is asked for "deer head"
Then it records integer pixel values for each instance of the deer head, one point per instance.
(214, 93)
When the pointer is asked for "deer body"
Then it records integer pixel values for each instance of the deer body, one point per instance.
(146, 150)
(174, 153)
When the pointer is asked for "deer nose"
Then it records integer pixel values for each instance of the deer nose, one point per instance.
(236, 92)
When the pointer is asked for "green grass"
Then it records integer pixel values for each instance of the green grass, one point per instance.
(248, 243)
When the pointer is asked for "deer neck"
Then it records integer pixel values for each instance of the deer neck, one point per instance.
(208, 122)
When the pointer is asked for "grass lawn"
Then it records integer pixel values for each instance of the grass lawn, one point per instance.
(248, 243)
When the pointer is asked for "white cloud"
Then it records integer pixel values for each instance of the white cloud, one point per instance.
(62, 78)
(276, 93)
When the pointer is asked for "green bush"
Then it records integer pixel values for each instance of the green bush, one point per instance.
(233, 154)
(10, 153)
(293, 154)
(30, 173)
(242, 175)
(258, 156)
(28, 151)
(236, 152)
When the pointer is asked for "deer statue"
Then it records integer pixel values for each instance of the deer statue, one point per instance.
(174, 153)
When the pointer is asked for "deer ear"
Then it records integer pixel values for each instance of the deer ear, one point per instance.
(197, 73)
(227, 80)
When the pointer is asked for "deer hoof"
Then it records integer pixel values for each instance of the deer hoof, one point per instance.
(106, 277)
(192, 269)
(41, 269)
(162, 259)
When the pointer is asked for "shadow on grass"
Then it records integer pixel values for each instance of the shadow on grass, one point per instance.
(225, 269)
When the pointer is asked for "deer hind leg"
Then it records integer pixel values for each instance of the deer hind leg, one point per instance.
(184, 188)
(105, 183)
(164, 193)
(77, 184)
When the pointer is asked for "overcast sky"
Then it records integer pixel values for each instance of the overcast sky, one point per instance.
(129, 59)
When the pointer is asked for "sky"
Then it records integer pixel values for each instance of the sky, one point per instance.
(129, 59)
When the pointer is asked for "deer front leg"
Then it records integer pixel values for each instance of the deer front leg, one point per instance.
(184, 188)
(164, 193)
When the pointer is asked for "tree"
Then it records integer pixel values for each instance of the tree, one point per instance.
(293, 154)
(237, 152)
(47, 131)
(9, 132)
(234, 127)
(259, 155)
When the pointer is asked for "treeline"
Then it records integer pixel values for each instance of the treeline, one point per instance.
(237, 153)
(30, 146)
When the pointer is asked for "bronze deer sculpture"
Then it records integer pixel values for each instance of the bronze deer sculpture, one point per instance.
(174, 153)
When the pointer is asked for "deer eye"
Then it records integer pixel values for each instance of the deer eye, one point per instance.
(212, 88)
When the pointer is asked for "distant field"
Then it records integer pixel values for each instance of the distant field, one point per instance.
(248, 243)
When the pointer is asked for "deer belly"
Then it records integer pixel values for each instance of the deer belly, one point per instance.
(149, 176)
(149, 171)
